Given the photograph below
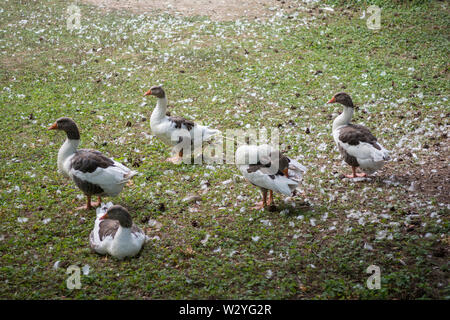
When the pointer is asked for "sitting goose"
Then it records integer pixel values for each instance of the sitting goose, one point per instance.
(169, 129)
(270, 170)
(92, 172)
(356, 143)
(115, 233)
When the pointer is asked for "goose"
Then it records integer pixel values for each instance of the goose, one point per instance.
(115, 233)
(357, 145)
(270, 170)
(171, 129)
(92, 172)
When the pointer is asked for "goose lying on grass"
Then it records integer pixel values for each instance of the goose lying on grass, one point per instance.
(115, 233)
(356, 143)
(92, 172)
(270, 170)
(169, 129)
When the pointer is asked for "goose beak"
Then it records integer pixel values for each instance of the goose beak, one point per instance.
(149, 92)
(332, 100)
(105, 216)
(53, 126)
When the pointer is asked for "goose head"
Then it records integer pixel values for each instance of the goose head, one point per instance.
(119, 213)
(68, 126)
(156, 91)
(342, 98)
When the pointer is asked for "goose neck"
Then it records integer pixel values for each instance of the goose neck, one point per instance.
(122, 234)
(161, 108)
(344, 118)
(68, 148)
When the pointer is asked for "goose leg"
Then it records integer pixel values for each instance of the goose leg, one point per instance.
(270, 200)
(355, 174)
(262, 204)
(176, 159)
(98, 203)
(89, 205)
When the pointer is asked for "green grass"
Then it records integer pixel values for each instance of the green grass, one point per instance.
(227, 75)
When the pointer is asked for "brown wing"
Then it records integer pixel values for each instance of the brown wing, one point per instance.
(354, 134)
(179, 121)
(283, 163)
(108, 227)
(86, 160)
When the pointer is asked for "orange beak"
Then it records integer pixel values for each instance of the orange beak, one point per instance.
(53, 126)
(286, 172)
(332, 100)
(149, 92)
(104, 217)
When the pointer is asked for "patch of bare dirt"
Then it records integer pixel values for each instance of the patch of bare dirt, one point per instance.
(14, 62)
(219, 10)
(432, 178)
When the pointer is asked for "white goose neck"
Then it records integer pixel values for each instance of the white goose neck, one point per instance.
(122, 234)
(344, 118)
(160, 110)
(68, 148)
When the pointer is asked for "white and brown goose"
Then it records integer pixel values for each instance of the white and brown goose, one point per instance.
(115, 233)
(170, 129)
(93, 173)
(357, 145)
(270, 170)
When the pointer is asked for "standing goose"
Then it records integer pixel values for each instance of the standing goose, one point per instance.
(270, 170)
(170, 129)
(356, 143)
(115, 233)
(92, 172)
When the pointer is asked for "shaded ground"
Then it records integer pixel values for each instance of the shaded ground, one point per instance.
(219, 10)
(432, 176)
